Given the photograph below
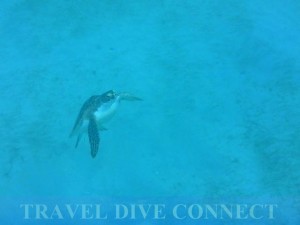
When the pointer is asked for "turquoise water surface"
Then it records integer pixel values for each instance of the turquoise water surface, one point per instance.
(220, 116)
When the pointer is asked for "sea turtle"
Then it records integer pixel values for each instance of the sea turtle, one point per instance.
(97, 110)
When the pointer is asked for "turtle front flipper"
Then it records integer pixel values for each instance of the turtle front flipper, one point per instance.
(78, 140)
(93, 137)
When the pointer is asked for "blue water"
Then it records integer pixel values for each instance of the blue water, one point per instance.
(220, 116)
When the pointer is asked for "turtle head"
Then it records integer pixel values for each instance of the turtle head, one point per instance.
(109, 95)
(128, 97)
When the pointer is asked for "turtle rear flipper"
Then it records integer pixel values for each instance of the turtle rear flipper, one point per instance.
(93, 137)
